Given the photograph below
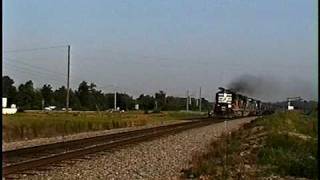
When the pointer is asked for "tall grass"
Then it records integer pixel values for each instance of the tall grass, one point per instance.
(289, 148)
(291, 122)
(34, 125)
(289, 155)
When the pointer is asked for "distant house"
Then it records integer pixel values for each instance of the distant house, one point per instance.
(5, 109)
(136, 107)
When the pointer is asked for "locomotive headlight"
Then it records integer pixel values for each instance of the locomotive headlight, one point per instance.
(229, 106)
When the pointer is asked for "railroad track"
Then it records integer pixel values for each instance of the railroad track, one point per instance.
(20, 160)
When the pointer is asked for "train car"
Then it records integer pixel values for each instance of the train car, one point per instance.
(230, 104)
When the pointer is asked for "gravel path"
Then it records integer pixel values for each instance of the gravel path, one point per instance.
(161, 158)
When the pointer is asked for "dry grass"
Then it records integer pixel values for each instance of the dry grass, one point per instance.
(34, 125)
(283, 144)
(229, 157)
(291, 145)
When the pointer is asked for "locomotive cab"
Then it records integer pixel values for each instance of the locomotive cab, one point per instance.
(223, 105)
(231, 104)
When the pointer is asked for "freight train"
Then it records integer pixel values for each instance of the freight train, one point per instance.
(230, 104)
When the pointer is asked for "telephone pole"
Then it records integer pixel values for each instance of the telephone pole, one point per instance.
(200, 100)
(68, 80)
(156, 104)
(187, 100)
(42, 104)
(115, 100)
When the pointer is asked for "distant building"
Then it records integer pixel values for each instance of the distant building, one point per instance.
(6, 110)
(4, 102)
(290, 107)
(136, 107)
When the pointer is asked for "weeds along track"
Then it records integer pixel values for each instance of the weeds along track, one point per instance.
(19, 160)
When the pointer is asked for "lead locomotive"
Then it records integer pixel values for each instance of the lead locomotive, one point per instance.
(230, 104)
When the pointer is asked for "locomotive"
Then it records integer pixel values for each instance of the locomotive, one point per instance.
(230, 104)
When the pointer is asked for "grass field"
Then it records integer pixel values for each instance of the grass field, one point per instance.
(291, 145)
(22, 126)
(283, 144)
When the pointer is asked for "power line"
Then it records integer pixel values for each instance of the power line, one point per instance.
(34, 49)
(38, 72)
(33, 66)
(34, 75)
(46, 70)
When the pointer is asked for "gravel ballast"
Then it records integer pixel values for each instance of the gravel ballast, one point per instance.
(162, 158)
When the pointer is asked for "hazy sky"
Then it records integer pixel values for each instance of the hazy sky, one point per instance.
(143, 46)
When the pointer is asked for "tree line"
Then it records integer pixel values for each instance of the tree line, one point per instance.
(87, 97)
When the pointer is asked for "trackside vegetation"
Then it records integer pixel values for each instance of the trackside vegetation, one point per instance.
(282, 145)
(23, 126)
(291, 145)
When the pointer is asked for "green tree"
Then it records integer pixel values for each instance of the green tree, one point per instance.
(125, 102)
(27, 97)
(9, 90)
(47, 94)
(59, 97)
(37, 99)
(96, 98)
(146, 102)
(175, 103)
(101, 100)
(74, 101)
(160, 98)
(84, 95)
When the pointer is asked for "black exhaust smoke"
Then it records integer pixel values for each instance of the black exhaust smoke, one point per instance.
(247, 84)
(270, 88)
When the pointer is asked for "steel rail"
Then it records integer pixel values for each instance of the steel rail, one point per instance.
(134, 136)
(71, 144)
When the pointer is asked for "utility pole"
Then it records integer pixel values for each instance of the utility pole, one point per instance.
(213, 100)
(187, 100)
(115, 100)
(200, 100)
(68, 80)
(156, 104)
(226, 150)
(42, 103)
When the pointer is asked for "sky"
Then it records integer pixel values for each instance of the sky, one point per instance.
(143, 46)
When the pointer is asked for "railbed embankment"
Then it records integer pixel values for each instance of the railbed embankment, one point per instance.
(161, 158)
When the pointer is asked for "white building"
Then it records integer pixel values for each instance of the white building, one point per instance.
(136, 107)
(290, 107)
(5, 110)
(4, 102)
